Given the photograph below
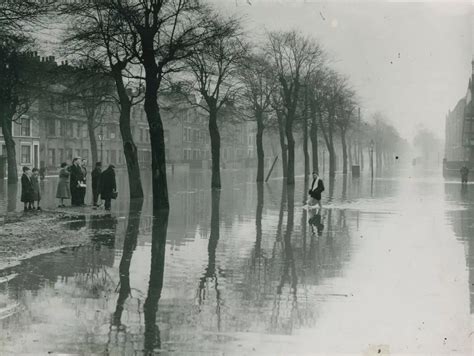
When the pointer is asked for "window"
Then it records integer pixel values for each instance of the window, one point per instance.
(68, 128)
(85, 132)
(113, 156)
(4, 150)
(25, 127)
(141, 135)
(78, 153)
(61, 155)
(25, 154)
(62, 128)
(51, 157)
(113, 133)
(78, 129)
(69, 154)
(120, 157)
(52, 127)
(85, 154)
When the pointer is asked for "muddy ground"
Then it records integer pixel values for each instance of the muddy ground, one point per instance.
(23, 235)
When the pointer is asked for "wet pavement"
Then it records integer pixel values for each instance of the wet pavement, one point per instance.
(386, 268)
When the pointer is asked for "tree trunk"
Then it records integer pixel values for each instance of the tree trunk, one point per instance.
(314, 141)
(305, 139)
(284, 152)
(291, 150)
(152, 110)
(344, 151)
(260, 153)
(258, 222)
(92, 140)
(361, 155)
(332, 161)
(215, 148)
(7, 130)
(349, 153)
(129, 148)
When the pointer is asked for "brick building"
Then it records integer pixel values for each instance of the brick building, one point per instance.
(55, 130)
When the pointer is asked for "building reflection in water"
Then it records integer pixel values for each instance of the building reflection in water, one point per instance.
(158, 250)
(463, 225)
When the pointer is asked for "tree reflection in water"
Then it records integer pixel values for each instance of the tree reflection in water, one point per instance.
(155, 285)
(288, 274)
(129, 245)
(210, 275)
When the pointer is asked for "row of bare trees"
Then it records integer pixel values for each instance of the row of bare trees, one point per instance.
(283, 83)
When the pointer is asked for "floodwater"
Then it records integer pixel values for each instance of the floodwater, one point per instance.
(386, 268)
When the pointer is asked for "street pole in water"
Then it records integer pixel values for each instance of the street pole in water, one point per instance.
(271, 169)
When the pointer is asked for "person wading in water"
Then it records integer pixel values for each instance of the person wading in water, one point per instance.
(317, 187)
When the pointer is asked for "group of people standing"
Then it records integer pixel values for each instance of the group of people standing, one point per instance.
(72, 185)
(30, 189)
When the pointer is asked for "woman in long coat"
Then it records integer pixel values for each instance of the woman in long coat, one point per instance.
(108, 186)
(76, 180)
(63, 191)
(27, 189)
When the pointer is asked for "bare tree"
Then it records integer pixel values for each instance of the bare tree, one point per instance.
(17, 68)
(259, 85)
(92, 89)
(24, 80)
(99, 36)
(316, 108)
(345, 119)
(294, 57)
(215, 66)
(166, 32)
(331, 95)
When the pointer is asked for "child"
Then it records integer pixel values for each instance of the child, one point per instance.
(36, 188)
(26, 189)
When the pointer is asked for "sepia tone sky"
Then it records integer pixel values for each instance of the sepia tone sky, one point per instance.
(412, 61)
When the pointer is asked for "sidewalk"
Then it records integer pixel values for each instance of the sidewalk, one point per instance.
(24, 235)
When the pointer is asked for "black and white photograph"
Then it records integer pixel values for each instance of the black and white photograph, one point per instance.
(236, 177)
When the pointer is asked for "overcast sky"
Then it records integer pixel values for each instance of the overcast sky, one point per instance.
(412, 61)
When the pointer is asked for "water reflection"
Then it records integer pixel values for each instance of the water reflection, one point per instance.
(239, 261)
(210, 278)
(463, 225)
(129, 245)
(316, 222)
(155, 285)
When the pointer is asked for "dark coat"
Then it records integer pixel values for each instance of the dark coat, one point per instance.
(36, 188)
(107, 184)
(315, 192)
(96, 178)
(77, 175)
(26, 189)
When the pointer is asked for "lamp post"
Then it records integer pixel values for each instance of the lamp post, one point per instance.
(371, 150)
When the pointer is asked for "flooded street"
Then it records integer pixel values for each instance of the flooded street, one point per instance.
(387, 268)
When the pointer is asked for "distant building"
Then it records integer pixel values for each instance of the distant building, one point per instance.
(54, 130)
(459, 139)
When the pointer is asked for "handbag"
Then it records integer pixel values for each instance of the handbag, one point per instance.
(114, 194)
(81, 185)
